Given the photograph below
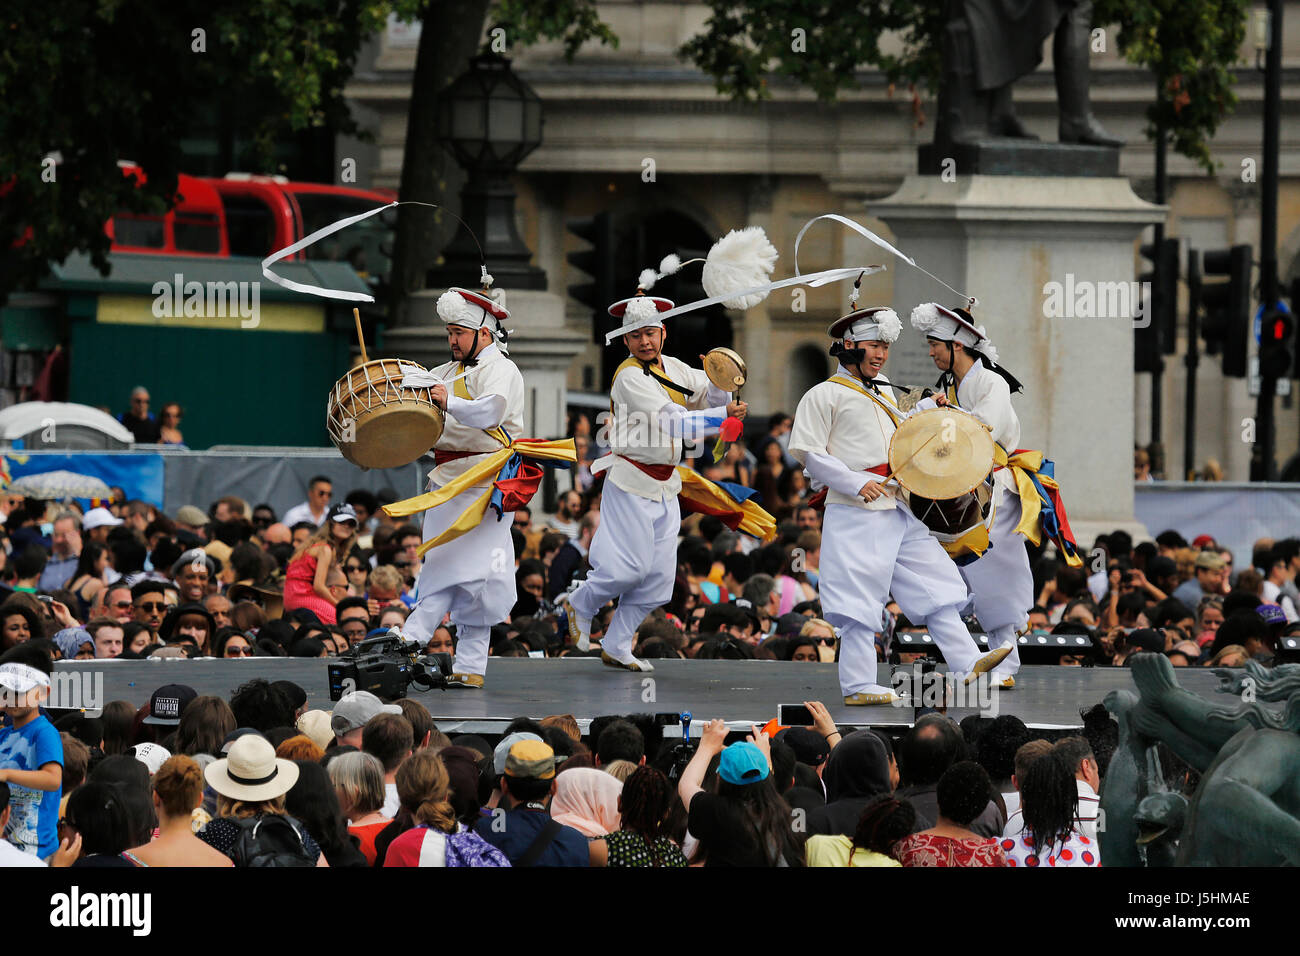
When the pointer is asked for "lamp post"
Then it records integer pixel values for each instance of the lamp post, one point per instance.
(489, 120)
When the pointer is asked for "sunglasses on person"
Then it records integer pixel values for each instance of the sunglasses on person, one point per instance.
(121, 605)
(152, 606)
(238, 652)
(355, 569)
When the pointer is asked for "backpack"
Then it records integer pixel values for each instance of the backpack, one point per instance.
(467, 848)
(269, 840)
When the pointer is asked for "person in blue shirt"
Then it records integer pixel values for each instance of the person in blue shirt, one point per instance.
(522, 827)
(31, 752)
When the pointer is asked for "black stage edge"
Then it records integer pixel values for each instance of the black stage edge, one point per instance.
(741, 692)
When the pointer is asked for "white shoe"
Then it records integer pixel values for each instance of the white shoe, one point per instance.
(579, 631)
(627, 663)
(872, 694)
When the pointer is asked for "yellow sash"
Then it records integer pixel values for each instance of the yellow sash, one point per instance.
(486, 470)
(755, 521)
(880, 399)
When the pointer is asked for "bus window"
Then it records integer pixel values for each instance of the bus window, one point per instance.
(249, 225)
(138, 232)
(363, 244)
(197, 232)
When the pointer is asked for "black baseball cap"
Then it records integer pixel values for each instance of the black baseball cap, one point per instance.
(168, 703)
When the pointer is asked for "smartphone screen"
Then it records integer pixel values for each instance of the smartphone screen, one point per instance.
(794, 715)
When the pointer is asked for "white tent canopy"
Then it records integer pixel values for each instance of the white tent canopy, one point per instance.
(20, 420)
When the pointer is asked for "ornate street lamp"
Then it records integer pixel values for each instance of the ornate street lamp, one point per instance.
(490, 120)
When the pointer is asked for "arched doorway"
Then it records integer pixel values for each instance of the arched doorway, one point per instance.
(640, 244)
(807, 366)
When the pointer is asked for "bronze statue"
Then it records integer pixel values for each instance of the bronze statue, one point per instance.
(989, 44)
(1246, 809)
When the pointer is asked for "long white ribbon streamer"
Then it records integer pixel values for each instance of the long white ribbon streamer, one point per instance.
(872, 237)
(813, 279)
(306, 241)
(413, 377)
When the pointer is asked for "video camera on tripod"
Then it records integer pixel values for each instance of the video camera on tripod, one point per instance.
(386, 665)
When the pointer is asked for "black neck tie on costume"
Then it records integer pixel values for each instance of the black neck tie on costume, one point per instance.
(649, 369)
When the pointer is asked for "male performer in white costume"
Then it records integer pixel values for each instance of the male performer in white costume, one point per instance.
(472, 575)
(872, 545)
(1001, 583)
(656, 401)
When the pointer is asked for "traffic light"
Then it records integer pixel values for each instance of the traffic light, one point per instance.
(1275, 329)
(1159, 291)
(1227, 318)
(598, 263)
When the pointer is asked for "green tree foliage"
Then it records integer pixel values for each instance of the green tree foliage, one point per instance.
(92, 82)
(1190, 45)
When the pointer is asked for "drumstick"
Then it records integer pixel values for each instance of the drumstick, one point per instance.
(356, 314)
(893, 472)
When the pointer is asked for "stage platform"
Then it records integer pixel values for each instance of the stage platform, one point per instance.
(741, 692)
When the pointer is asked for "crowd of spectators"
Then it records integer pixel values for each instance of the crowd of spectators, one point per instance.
(261, 780)
(234, 580)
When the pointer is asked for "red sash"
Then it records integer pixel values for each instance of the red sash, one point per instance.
(657, 472)
(441, 455)
(818, 500)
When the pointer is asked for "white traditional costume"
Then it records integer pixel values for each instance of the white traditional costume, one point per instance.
(1001, 583)
(871, 549)
(653, 408)
(634, 553)
(470, 575)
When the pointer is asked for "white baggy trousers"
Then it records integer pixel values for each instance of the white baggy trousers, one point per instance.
(472, 576)
(1001, 583)
(633, 558)
(868, 555)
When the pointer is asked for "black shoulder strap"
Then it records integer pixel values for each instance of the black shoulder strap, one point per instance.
(540, 842)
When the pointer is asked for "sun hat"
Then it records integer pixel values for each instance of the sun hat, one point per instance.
(252, 771)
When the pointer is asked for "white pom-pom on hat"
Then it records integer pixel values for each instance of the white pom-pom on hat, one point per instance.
(454, 310)
(646, 281)
(640, 309)
(742, 259)
(890, 325)
(927, 318)
(669, 264)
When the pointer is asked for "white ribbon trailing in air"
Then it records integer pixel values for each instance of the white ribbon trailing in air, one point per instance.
(303, 243)
(813, 279)
(872, 237)
(415, 377)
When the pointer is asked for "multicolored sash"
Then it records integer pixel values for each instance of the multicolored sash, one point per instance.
(515, 483)
(1042, 511)
(737, 506)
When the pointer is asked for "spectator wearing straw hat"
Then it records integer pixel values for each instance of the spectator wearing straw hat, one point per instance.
(251, 825)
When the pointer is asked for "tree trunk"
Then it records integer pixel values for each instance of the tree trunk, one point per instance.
(449, 36)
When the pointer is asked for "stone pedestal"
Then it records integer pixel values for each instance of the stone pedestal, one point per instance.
(541, 345)
(1051, 261)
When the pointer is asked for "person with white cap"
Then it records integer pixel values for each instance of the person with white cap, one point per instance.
(1000, 580)
(470, 576)
(96, 523)
(872, 544)
(656, 402)
(31, 752)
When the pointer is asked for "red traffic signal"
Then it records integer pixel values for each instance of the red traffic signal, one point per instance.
(1274, 344)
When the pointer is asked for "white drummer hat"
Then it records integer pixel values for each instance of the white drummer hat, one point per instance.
(877, 323)
(476, 310)
(935, 321)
